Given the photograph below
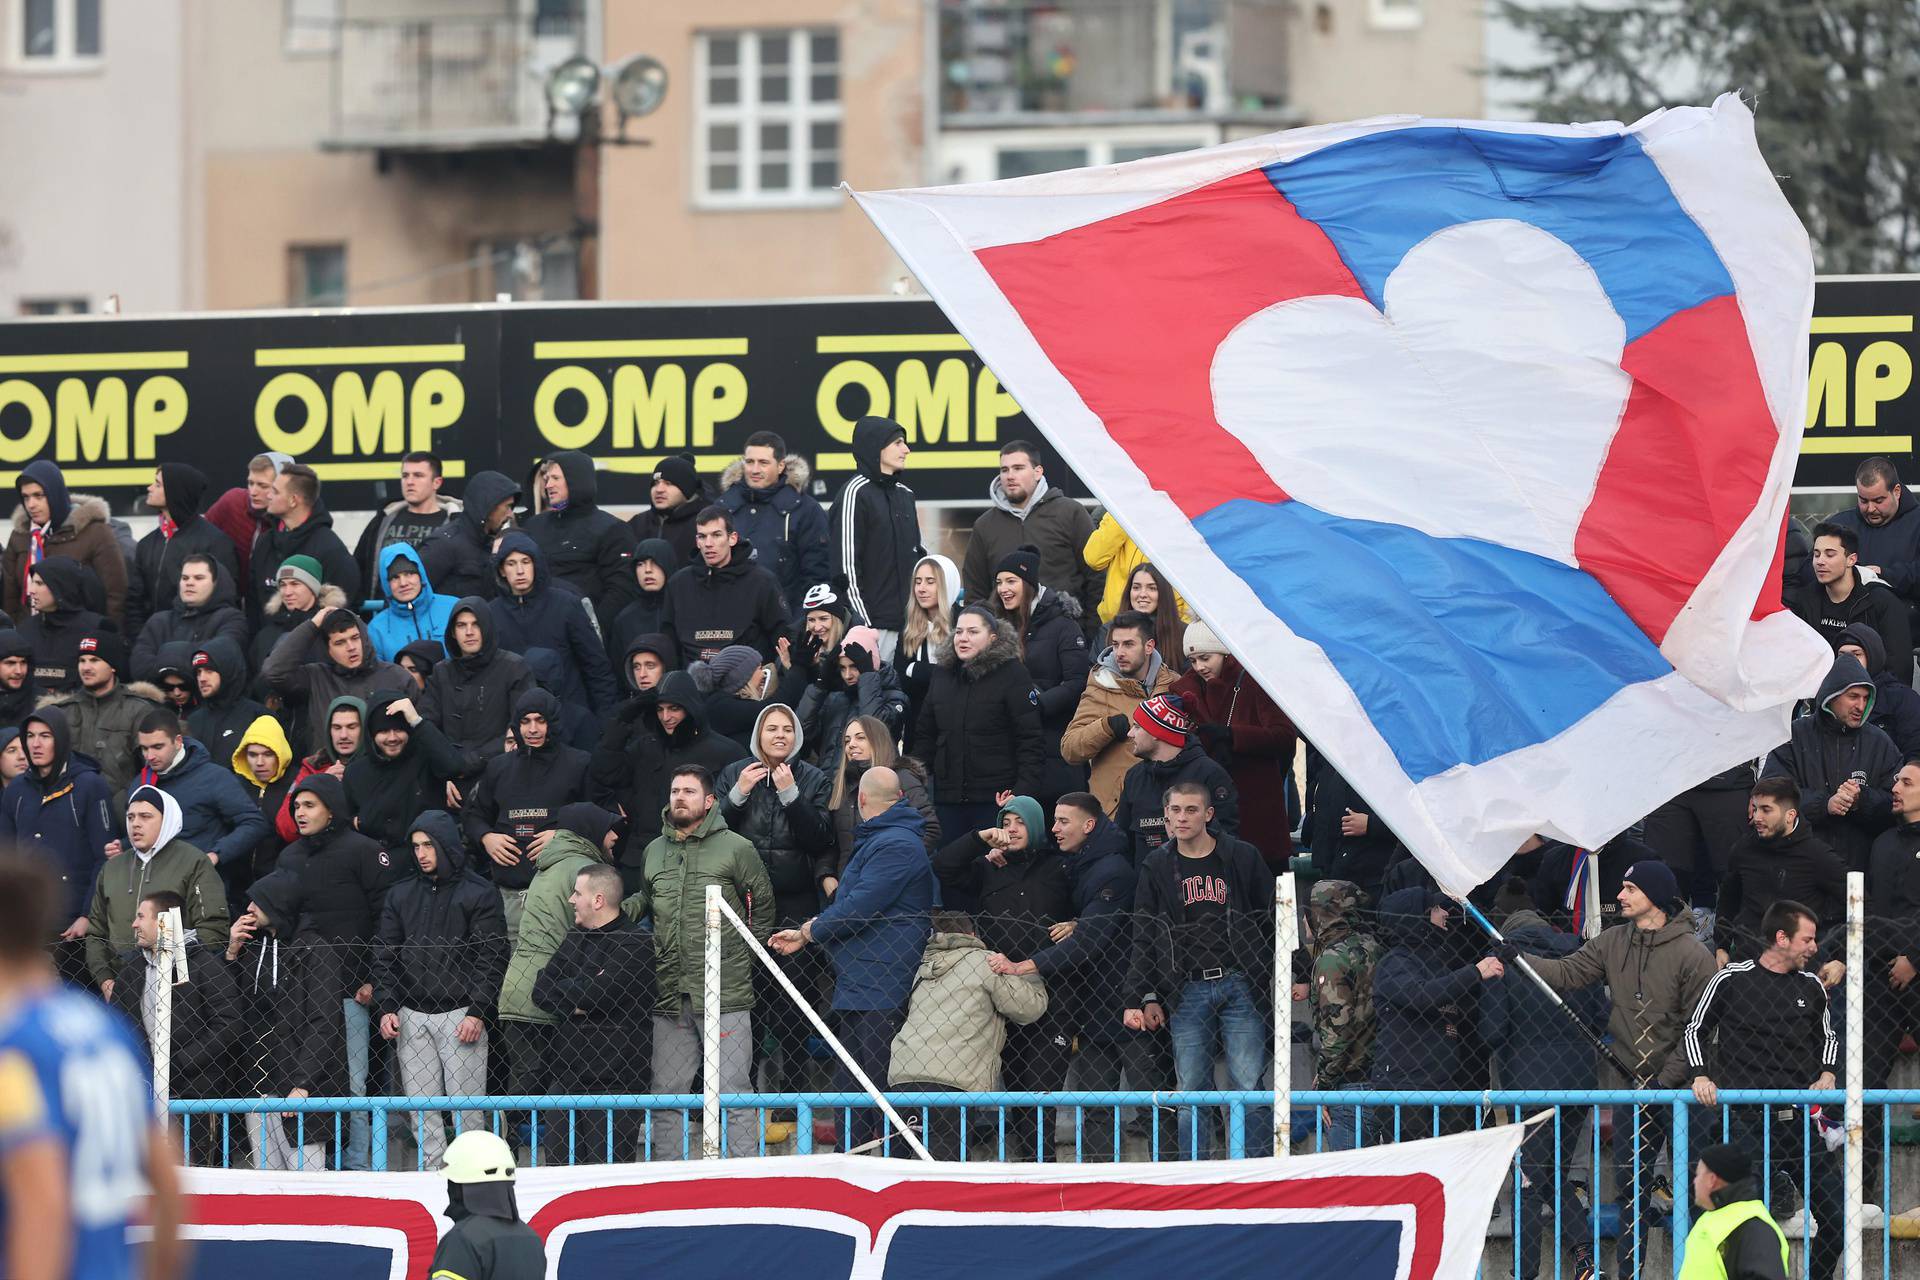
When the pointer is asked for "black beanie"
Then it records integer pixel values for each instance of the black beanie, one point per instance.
(678, 470)
(105, 645)
(1727, 1162)
(1022, 563)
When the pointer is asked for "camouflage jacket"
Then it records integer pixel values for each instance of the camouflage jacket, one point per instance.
(1342, 997)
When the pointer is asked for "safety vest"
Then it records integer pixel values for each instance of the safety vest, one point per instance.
(1702, 1260)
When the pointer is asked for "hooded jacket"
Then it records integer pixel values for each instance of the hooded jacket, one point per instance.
(786, 526)
(1824, 752)
(790, 830)
(276, 620)
(1424, 1002)
(219, 721)
(706, 609)
(1141, 812)
(443, 937)
(271, 797)
(1158, 968)
(1797, 866)
(424, 617)
(208, 1021)
(642, 617)
(78, 530)
(980, 724)
(957, 1016)
(876, 928)
(674, 526)
(177, 866)
(1087, 971)
(544, 923)
(55, 636)
(1873, 603)
(395, 525)
(632, 766)
(552, 619)
(1246, 733)
(320, 761)
(1089, 738)
(1894, 547)
(676, 870)
(1049, 520)
(314, 538)
(471, 696)
(291, 986)
(15, 703)
(586, 546)
(1896, 707)
(1016, 903)
(233, 514)
(215, 618)
(1655, 977)
(220, 817)
(344, 879)
(386, 792)
(1535, 1045)
(62, 817)
(153, 579)
(522, 791)
(1112, 552)
(827, 706)
(302, 671)
(105, 727)
(458, 556)
(873, 530)
(1893, 900)
(1054, 652)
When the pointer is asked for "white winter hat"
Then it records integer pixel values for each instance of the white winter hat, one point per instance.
(1200, 639)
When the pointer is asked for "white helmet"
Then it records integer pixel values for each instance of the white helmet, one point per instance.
(478, 1156)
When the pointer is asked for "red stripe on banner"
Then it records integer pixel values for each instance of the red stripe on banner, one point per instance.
(406, 1216)
(1697, 426)
(1169, 282)
(1425, 1194)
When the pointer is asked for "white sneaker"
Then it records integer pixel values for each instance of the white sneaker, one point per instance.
(1872, 1218)
(1799, 1227)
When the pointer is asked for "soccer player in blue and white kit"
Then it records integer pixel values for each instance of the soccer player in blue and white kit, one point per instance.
(81, 1148)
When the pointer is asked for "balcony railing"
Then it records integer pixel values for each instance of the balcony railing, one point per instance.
(446, 82)
(1009, 61)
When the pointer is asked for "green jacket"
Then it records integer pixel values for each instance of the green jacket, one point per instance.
(124, 880)
(957, 1017)
(544, 922)
(673, 890)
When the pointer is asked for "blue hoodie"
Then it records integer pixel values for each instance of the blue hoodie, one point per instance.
(425, 617)
(878, 925)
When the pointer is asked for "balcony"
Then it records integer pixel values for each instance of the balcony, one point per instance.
(447, 83)
(1024, 62)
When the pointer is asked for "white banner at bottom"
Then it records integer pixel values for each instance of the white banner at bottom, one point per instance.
(1408, 1211)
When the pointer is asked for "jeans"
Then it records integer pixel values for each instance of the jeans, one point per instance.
(1100, 1067)
(359, 1019)
(867, 1035)
(1208, 1015)
(1350, 1128)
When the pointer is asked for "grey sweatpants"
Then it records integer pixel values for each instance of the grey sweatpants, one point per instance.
(434, 1063)
(677, 1053)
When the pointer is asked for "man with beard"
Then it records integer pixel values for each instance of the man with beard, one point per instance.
(18, 693)
(515, 809)
(1887, 525)
(458, 556)
(105, 712)
(1841, 763)
(225, 710)
(1779, 857)
(1127, 673)
(345, 665)
(472, 694)
(676, 498)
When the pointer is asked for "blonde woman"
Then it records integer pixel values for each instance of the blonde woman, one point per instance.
(932, 599)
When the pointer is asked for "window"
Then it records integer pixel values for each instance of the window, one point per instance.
(1394, 15)
(529, 269)
(53, 306)
(57, 33)
(1021, 162)
(767, 127)
(312, 26)
(317, 275)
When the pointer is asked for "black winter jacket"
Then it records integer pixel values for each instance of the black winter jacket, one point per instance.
(1875, 604)
(1141, 813)
(552, 622)
(208, 1018)
(790, 835)
(706, 609)
(221, 721)
(788, 527)
(827, 706)
(471, 696)
(1824, 752)
(522, 791)
(1056, 657)
(1536, 1045)
(443, 937)
(315, 538)
(1423, 1002)
(1158, 970)
(1894, 547)
(632, 766)
(388, 792)
(1893, 899)
(217, 618)
(674, 526)
(1015, 904)
(344, 879)
(1088, 971)
(1798, 867)
(153, 579)
(586, 546)
(980, 724)
(1361, 859)
(458, 556)
(55, 637)
(600, 984)
(873, 531)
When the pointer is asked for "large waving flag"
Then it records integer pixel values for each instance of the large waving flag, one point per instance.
(1472, 440)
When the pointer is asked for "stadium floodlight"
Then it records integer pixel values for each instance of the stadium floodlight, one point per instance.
(573, 86)
(639, 86)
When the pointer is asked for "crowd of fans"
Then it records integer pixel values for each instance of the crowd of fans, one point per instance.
(1004, 823)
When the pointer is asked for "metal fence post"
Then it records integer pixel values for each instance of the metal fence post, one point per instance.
(1856, 1073)
(710, 1033)
(1286, 940)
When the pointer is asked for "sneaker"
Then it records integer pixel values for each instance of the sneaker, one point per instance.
(1799, 1227)
(1660, 1197)
(1584, 1268)
(1872, 1218)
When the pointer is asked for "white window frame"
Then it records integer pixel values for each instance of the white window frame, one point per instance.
(799, 114)
(1395, 15)
(302, 37)
(65, 32)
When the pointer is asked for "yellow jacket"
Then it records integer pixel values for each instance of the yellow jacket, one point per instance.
(1111, 549)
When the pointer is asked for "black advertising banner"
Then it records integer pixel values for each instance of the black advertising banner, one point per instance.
(498, 386)
(1860, 395)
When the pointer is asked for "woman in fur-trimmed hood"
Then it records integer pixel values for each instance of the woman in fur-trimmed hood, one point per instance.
(979, 728)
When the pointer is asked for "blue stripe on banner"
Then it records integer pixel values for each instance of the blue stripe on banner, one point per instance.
(1464, 651)
(1352, 1250)
(1378, 196)
(723, 1251)
(224, 1259)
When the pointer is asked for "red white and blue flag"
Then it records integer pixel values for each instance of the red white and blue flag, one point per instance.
(1408, 1211)
(1472, 440)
